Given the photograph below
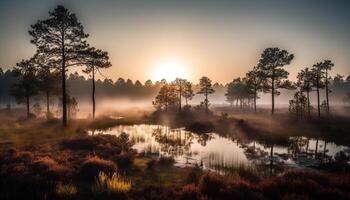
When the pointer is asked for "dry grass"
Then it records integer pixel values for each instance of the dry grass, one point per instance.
(111, 185)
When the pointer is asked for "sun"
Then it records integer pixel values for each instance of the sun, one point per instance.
(170, 70)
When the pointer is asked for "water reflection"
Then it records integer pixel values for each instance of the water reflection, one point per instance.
(221, 154)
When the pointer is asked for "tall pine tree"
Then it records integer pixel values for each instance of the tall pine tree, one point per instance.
(61, 39)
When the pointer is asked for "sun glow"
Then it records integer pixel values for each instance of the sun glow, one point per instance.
(170, 70)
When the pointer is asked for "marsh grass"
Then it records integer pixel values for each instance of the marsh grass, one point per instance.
(114, 185)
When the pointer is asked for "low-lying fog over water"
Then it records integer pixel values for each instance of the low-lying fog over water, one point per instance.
(214, 152)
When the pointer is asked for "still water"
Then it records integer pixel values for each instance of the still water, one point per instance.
(217, 153)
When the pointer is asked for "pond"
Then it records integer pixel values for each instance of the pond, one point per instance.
(222, 154)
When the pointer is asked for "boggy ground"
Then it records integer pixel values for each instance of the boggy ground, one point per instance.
(40, 160)
(38, 172)
(260, 126)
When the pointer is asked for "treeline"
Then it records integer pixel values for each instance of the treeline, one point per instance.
(268, 76)
(79, 87)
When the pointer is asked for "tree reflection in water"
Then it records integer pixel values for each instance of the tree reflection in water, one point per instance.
(223, 154)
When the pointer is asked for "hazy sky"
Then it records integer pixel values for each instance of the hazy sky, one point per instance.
(219, 39)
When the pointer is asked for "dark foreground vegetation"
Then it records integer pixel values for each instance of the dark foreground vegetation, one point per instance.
(105, 167)
(41, 161)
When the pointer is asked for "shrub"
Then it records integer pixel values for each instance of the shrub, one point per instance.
(201, 127)
(65, 191)
(98, 142)
(49, 168)
(166, 161)
(125, 160)
(92, 166)
(190, 192)
(114, 185)
(211, 184)
(194, 175)
(156, 192)
(247, 172)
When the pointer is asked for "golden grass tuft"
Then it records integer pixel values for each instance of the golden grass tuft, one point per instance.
(114, 184)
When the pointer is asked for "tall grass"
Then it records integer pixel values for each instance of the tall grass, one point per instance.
(111, 185)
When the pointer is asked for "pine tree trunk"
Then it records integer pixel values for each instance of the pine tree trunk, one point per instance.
(255, 101)
(327, 99)
(273, 92)
(206, 100)
(93, 92)
(47, 104)
(28, 105)
(318, 95)
(64, 93)
(308, 102)
(180, 95)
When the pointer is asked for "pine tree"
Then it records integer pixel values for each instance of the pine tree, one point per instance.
(254, 83)
(271, 66)
(318, 75)
(206, 88)
(61, 39)
(327, 65)
(304, 82)
(27, 85)
(96, 59)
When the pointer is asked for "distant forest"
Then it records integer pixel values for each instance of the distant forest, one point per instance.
(105, 88)
(136, 90)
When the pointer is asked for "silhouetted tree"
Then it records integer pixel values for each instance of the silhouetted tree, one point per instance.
(271, 66)
(166, 97)
(338, 81)
(48, 80)
(179, 85)
(61, 39)
(96, 60)
(188, 93)
(148, 84)
(298, 105)
(7, 80)
(305, 78)
(27, 85)
(318, 75)
(240, 91)
(205, 88)
(327, 65)
(255, 83)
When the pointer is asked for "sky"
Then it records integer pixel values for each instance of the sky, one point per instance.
(221, 39)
